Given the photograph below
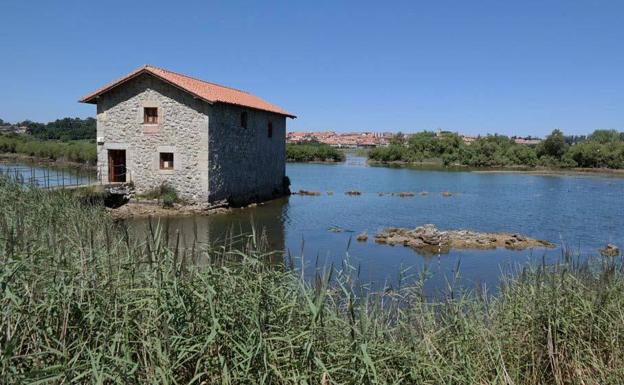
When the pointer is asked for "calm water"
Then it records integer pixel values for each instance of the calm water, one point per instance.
(46, 176)
(584, 212)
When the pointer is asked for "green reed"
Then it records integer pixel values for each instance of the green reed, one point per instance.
(84, 303)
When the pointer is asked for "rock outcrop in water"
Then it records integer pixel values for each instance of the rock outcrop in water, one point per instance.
(307, 193)
(430, 239)
(610, 250)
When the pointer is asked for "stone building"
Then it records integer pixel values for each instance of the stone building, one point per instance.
(209, 142)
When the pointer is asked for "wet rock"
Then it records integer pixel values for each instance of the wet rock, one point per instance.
(362, 237)
(428, 238)
(406, 194)
(353, 193)
(306, 192)
(610, 250)
(146, 208)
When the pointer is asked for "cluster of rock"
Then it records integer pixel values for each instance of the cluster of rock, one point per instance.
(610, 250)
(153, 207)
(306, 192)
(428, 238)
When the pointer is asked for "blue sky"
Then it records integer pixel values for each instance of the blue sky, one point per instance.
(511, 67)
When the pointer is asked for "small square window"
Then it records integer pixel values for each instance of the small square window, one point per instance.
(150, 115)
(166, 160)
(243, 119)
(270, 130)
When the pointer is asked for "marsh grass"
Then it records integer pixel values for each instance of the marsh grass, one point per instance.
(82, 302)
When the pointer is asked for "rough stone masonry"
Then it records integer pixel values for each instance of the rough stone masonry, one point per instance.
(215, 155)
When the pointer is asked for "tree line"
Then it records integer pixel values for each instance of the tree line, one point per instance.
(601, 149)
(68, 139)
(65, 129)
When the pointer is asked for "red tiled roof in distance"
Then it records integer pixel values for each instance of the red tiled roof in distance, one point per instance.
(210, 92)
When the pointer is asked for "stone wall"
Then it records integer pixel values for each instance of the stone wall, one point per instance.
(245, 164)
(182, 129)
(214, 157)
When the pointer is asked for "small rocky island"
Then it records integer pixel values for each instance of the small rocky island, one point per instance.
(429, 239)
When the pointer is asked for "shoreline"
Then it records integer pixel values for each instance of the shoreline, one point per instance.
(145, 208)
(425, 165)
(37, 161)
(433, 165)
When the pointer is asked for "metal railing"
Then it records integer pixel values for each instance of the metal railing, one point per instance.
(50, 178)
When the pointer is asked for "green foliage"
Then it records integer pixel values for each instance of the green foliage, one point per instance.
(84, 302)
(609, 154)
(66, 129)
(392, 153)
(164, 193)
(313, 152)
(169, 199)
(75, 151)
(492, 151)
(554, 146)
(603, 148)
(606, 136)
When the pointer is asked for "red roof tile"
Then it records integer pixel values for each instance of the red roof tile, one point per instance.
(210, 92)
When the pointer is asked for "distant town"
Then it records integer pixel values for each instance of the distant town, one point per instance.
(85, 129)
(376, 139)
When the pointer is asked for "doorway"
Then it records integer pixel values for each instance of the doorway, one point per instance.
(116, 166)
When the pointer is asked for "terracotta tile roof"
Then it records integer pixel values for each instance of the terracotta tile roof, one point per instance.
(210, 92)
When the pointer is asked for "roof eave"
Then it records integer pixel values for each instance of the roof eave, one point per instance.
(92, 98)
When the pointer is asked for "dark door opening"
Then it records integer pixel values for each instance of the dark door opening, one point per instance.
(116, 166)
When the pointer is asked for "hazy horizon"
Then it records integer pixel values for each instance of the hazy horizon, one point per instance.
(337, 131)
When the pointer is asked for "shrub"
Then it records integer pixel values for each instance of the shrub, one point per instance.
(313, 152)
(169, 198)
(164, 193)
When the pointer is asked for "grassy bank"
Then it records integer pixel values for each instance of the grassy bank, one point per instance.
(82, 302)
(313, 153)
(74, 151)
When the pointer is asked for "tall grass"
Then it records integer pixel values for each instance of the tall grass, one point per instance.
(82, 302)
(73, 151)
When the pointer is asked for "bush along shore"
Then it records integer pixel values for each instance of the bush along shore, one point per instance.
(84, 303)
(313, 152)
(601, 149)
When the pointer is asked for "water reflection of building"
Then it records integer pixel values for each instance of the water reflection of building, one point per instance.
(262, 225)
